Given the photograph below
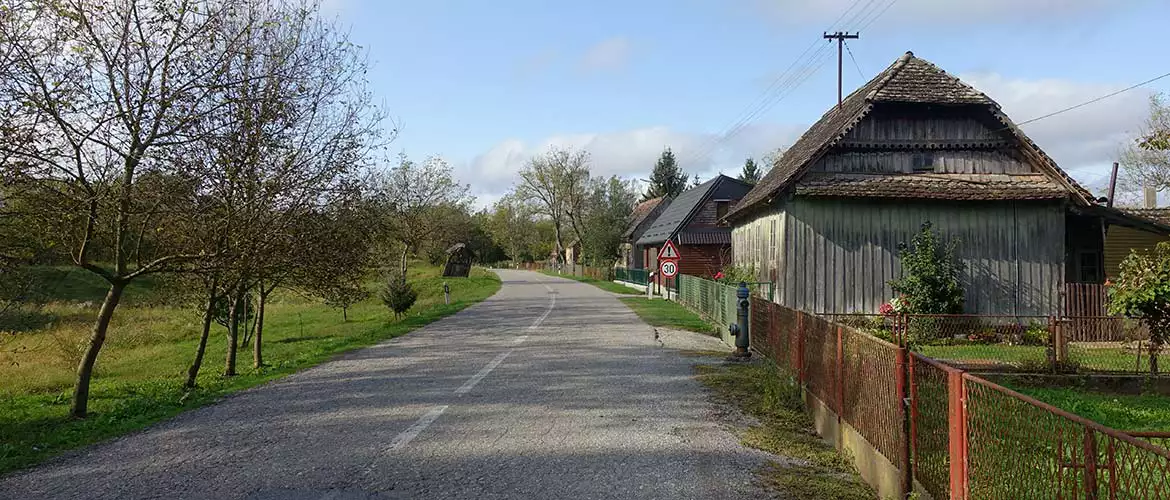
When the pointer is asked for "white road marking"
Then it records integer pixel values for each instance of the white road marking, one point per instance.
(520, 339)
(552, 303)
(470, 384)
(414, 430)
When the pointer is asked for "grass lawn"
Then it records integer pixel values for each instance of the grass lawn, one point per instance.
(1119, 411)
(1105, 360)
(139, 373)
(762, 390)
(668, 314)
(608, 286)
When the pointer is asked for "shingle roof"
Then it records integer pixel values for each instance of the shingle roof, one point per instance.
(1157, 215)
(640, 213)
(932, 186)
(714, 236)
(687, 204)
(907, 80)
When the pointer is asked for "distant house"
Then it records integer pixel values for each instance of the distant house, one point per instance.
(1141, 230)
(641, 219)
(573, 253)
(693, 223)
(916, 144)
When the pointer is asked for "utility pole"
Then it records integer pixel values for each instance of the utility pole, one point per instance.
(840, 36)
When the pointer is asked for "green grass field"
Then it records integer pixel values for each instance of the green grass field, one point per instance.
(608, 286)
(1035, 357)
(141, 368)
(1119, 411)
(668, 314)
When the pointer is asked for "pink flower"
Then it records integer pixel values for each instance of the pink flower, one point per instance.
(719, 275)
(886, 309)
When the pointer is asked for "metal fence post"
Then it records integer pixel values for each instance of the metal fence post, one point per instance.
(902, 376)
(1091, 491)
(957, 434)
(840, 373)
(800, 375)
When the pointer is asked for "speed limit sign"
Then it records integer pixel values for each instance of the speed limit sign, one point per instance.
(669, 268)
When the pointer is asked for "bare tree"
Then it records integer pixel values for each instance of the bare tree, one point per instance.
(1147, 160)
(292, 137)
(556, 184)
(106, 87)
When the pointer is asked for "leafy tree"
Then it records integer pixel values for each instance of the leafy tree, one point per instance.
(399, 295)
(751, 173)
(1142, 289)
(931, 274)
(344, 294)
(696, 182)
(414, 196)
(512, 224)
(667, 179)
(611, 201)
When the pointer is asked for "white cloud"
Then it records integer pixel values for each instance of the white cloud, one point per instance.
(630, 154)
(933, 11)
(1084, 141)
(607, 55)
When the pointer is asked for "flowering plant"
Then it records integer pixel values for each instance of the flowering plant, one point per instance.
(718, 275)
(886, 309)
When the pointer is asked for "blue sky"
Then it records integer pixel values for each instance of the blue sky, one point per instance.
(487, 85)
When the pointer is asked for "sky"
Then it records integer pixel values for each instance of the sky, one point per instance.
(489, 85)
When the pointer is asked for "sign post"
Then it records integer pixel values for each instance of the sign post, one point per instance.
(668, 263)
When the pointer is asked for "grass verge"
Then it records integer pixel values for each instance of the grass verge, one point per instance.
(763, 391)
(608, 286)
(141, 369)
(668, 314)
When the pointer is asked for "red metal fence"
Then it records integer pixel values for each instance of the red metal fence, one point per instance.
(958, 435)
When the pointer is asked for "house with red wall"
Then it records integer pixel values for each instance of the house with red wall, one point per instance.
(692, 222)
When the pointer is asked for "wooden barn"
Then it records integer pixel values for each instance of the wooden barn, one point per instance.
(916, 144)
(693, 222)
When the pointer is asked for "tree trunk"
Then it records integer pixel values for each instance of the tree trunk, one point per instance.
(208, 317)
(405, 250)
(560, 246)
(229, 368)
(344, 314)
(80, 405)
(257, 355)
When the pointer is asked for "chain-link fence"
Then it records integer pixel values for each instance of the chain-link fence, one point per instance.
(968, 438)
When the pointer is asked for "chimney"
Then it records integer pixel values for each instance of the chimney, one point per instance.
(1151, 197)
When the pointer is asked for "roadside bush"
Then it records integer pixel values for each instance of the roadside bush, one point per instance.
(399, 295)
(1036, 334)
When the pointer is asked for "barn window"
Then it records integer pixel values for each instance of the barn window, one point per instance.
(1089, 271)
(924, 161)
(720, 210)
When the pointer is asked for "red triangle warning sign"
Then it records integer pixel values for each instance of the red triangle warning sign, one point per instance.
(669, 252)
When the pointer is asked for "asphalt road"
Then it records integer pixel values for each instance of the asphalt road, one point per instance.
(549, 389)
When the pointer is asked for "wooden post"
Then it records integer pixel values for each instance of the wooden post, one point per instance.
(957, 433)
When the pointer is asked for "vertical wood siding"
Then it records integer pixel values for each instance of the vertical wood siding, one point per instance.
(756, 245)
(902, 162)
(839, 255)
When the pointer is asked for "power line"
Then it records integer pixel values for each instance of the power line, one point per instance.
(788, 81)
(855, 65)
(1092, 101)
(776, 87)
